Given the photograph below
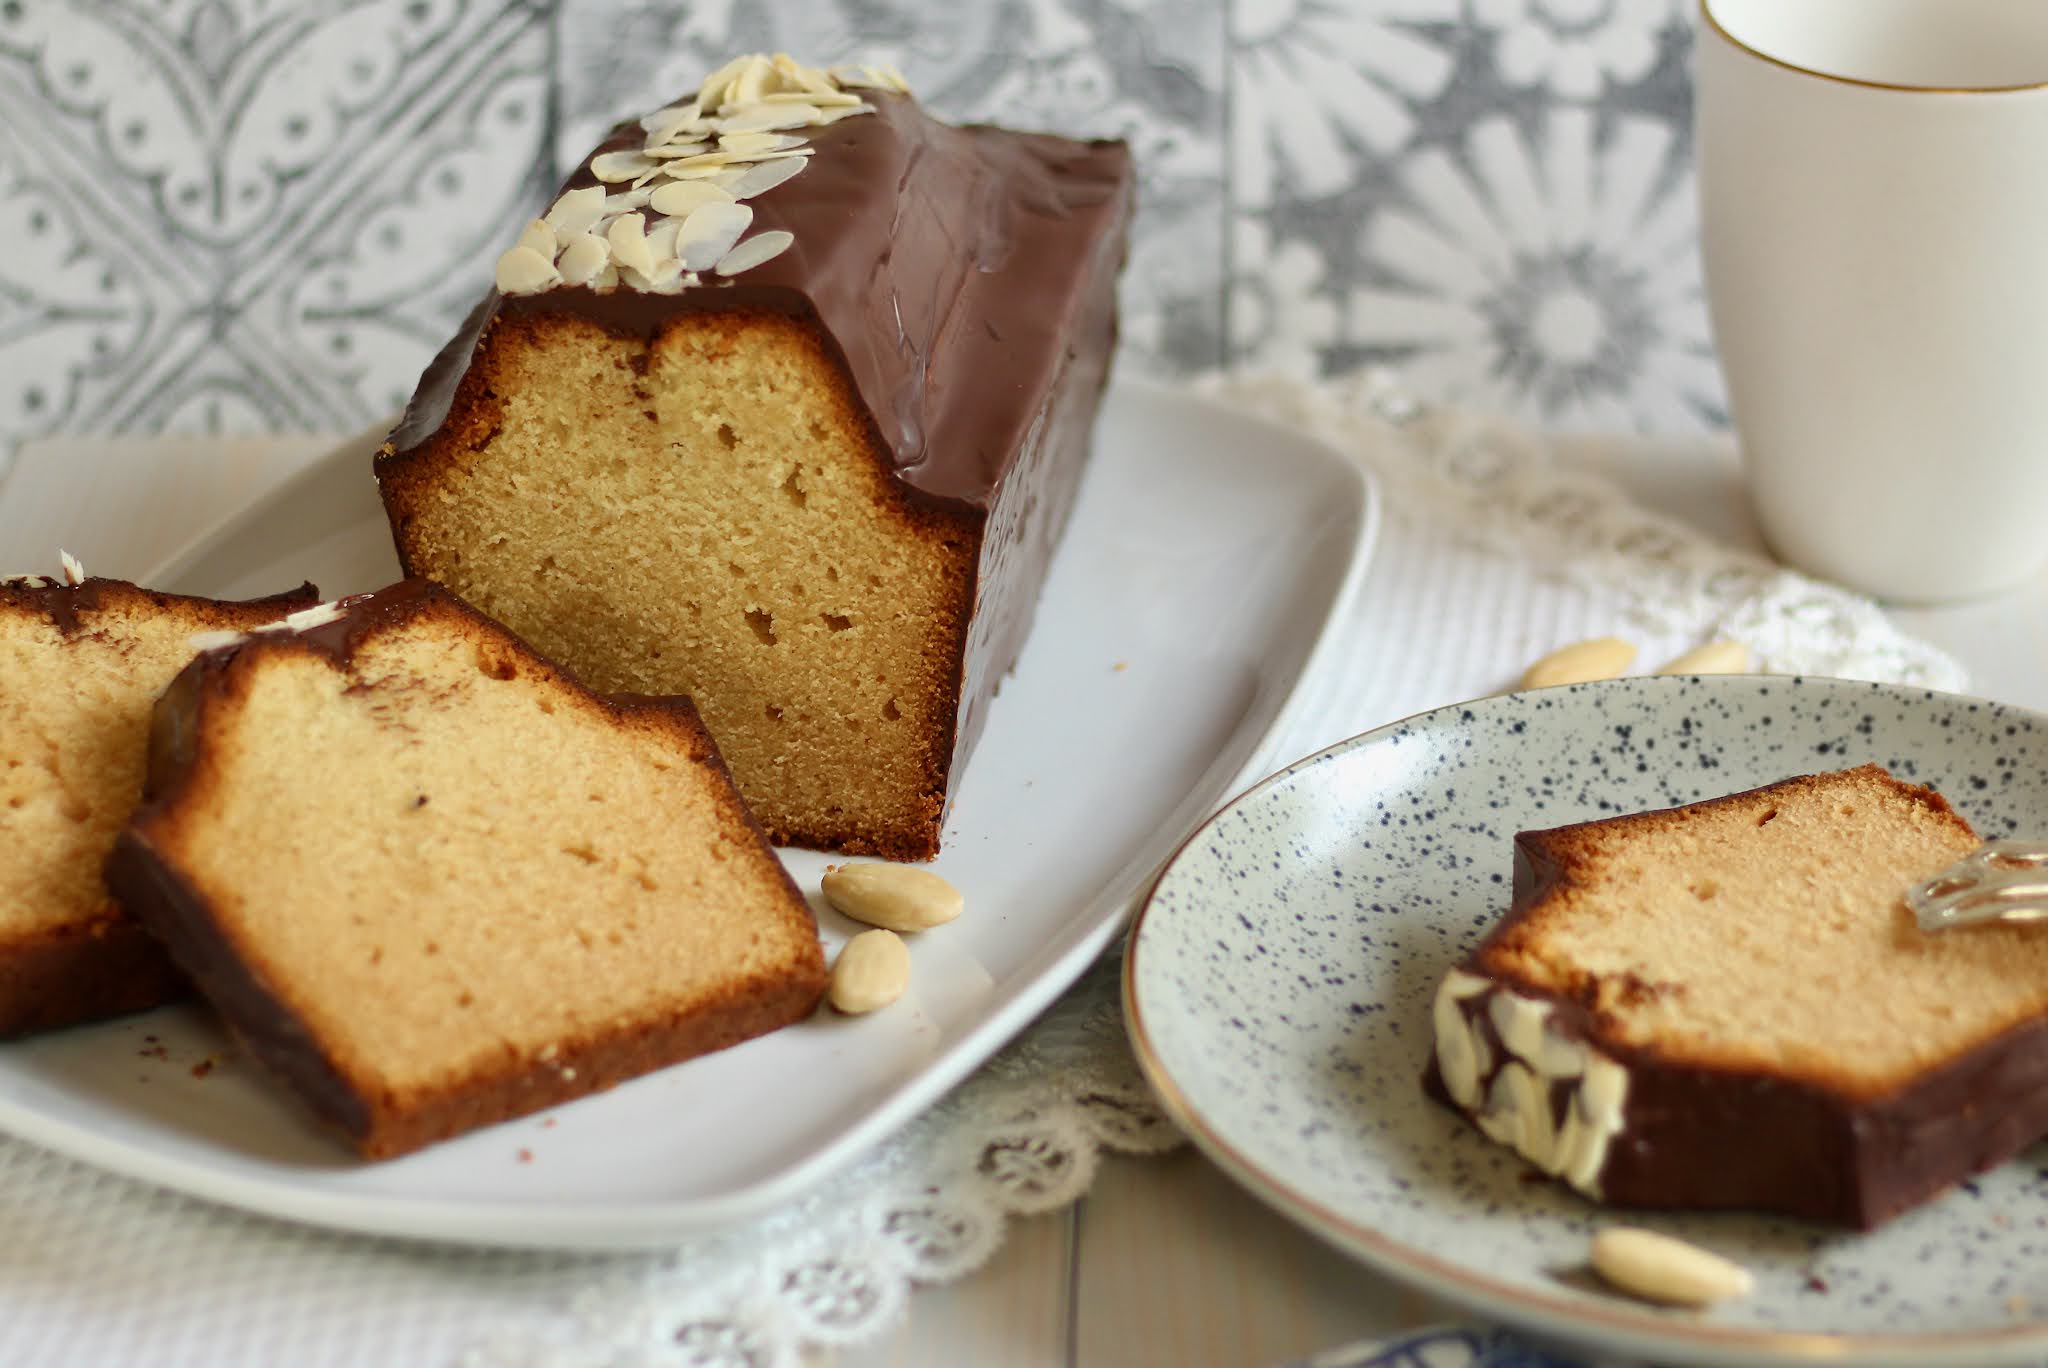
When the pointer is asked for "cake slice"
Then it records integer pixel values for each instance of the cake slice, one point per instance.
(812, 475)
(81, 662)
(1729, 1005)
(433, 882)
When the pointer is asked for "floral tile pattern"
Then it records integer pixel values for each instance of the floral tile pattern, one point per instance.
(250, 215)
(235, 215)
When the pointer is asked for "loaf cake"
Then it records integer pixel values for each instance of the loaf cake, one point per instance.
(81, 662)
(433, 882)
(1729, 1005)
(782, 405)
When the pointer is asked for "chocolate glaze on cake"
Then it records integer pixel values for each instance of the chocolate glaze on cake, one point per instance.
(1717, 1138)
(963, 280)
(945, 264)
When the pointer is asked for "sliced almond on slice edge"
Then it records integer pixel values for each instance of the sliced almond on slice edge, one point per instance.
(576, 211)
(761, 247)
(539, 238)
(521, 270)
(764, 176)
(709, 233)
(628, 237)
(613, 167)
(583, 257)
(681, 198)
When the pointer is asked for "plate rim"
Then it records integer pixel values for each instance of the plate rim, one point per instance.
(1631, 1329)
(596, 1225)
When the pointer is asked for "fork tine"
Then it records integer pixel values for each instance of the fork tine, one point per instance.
(2000, 881)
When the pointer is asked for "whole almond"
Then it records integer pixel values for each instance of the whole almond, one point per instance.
(1660, 1269)
(1580, 663)
(870, 973)
(1716, 657)
(894, 897)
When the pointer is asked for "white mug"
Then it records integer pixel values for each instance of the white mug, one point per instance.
(1874, 219)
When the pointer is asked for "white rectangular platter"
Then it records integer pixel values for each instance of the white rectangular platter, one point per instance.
(1207, 555)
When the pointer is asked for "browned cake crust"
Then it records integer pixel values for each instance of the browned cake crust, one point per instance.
(820, 497)
(326, 1023)
(83, 665)
(1811, 1052)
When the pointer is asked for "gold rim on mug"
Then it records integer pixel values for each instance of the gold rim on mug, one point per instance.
(1707, 16)
(1546, 1314)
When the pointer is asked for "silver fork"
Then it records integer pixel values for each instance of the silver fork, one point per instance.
(2000, 881)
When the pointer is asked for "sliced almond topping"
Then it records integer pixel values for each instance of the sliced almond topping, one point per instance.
(755, 250)
(626, 201)
(666, 276)
(576, 211)
(752, 82)
(749, 144)
(893, 79)
(628, 237)
(816, 81)
(538, 236)
(306, 619)
(764, 176)
(583, 257)
(607, 279)
(833, 116)
(712, 93)
(612, 167)
(741, 161)
(675, 114)
(521, 270)
(204, 641)
(678, 135)
(74, 573)
(674, 150)
(856, 77)
(661, 280)
(760, 118)
(709, 233)
(812, 95)
(703, 164)
(661, 239)
(681, 198)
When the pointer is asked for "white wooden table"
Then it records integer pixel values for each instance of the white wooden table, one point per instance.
(1165, 1262)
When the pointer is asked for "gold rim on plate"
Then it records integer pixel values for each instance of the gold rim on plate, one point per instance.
(1547, 1314)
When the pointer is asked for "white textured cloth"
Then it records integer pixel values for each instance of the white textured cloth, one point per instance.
(1492, 553)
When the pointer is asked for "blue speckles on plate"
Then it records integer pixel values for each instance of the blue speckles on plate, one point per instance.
(1280, 979)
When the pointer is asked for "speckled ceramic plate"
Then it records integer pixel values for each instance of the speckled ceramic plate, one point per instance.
(1280, 978)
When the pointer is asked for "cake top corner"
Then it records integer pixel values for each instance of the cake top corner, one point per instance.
(667, 207)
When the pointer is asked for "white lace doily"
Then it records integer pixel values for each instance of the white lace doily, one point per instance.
(1492, 553)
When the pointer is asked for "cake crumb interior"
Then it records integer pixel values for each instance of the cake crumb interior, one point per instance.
(74, 723)
(1769, 931)
(703, 516)
(502, 867)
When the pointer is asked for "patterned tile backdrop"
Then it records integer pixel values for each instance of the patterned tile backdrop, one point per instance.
(235, 215)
